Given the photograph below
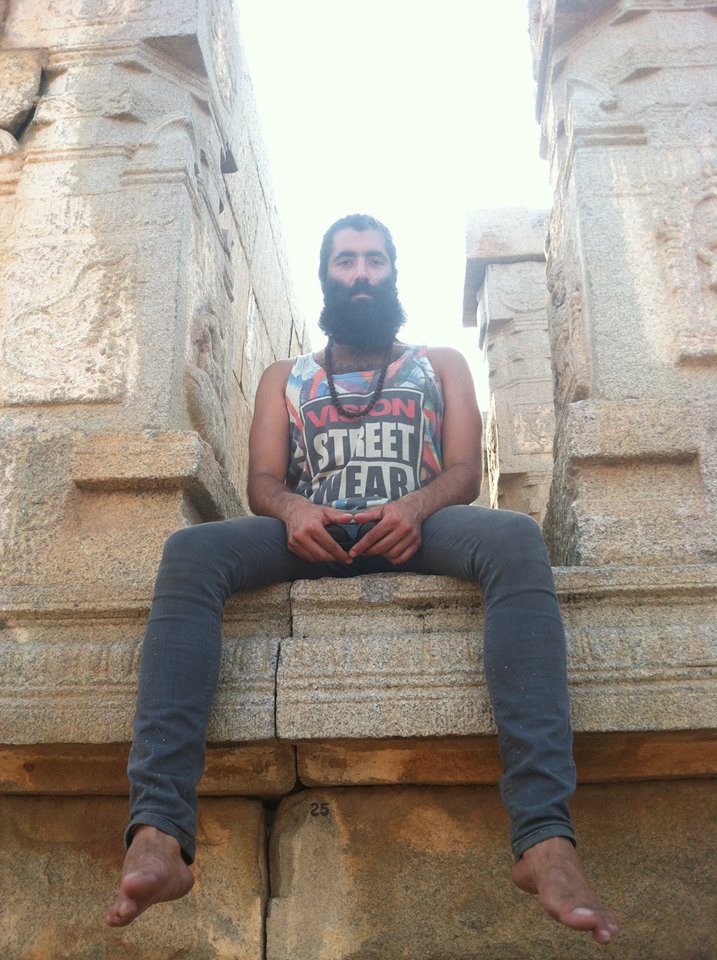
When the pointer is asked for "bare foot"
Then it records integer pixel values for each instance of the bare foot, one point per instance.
(552, 870)
(153, 872)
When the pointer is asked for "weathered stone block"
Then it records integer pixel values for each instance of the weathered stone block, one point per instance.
(266, 769)
(505, 234)
(598, 757)
(631, 271)
(20, 70)
(60, 861)
(387, 655)
(498, 236)
(383, 873)
(512, 311)
(72, 679)
(153, 460)
(400, 656)
(123, 269)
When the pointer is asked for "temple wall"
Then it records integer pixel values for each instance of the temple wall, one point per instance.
(144, 287)
(504, 296)
(350, 804)
(630, 129)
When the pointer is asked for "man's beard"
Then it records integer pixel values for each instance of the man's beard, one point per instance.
(366, 323)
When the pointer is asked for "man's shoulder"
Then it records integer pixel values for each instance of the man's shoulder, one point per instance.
(277, 373)
(445, 357)
(284, 364)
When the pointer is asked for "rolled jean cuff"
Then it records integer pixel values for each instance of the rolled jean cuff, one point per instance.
(187, 845)
(544, 833)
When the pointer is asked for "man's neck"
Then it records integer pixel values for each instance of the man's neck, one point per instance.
(348, 359)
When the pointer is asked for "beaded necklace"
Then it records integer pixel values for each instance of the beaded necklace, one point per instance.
(353, 414)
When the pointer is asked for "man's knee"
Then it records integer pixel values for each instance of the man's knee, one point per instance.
(514, 531)
(202, 541)
(186, 540)
(483, 523)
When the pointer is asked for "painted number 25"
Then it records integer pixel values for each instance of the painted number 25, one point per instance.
(320, 810)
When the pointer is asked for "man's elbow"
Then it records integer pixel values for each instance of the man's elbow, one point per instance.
(476, 486)
(252, 494)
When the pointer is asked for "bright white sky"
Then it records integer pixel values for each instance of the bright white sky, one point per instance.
(413, 111)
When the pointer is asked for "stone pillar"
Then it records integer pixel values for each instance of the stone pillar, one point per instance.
(143, 287)
(505, 273)
(626, 102)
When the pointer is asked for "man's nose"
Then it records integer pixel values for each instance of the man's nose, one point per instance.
(360, 272)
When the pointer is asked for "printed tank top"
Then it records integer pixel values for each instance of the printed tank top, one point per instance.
(351, 464)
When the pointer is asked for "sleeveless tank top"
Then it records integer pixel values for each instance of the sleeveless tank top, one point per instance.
(351, 464)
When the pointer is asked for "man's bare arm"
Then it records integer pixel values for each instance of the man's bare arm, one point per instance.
(397, 536)
(268, 461)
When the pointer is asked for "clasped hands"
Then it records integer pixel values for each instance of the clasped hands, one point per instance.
(396, 536)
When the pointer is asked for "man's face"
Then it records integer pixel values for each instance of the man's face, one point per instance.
(361, 303)
(359, 260)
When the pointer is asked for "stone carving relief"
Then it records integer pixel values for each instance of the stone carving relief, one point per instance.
(69, 338)
(492, 452)
(627, 9)
(594, 119)
(175, 150)
(124, 104)
(205, 380)
(514, 291)
(704, 230)
(169, 146)
(8, 144)
(686, 229)
(100, 10)
(642, 60)
(532, 427)
(570, 352)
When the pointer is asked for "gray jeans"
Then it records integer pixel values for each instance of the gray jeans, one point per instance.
(524, 656)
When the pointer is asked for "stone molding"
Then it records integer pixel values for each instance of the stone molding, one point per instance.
(385, 656)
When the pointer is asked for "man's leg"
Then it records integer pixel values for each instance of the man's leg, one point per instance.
(524, 657)
(201, 566)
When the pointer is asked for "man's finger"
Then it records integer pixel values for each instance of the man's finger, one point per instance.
(336, 552)
(377, 542)
(330, 515)
(372, 513)
(403, 550)
(318, 546)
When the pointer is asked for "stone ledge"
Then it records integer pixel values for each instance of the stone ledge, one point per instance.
(400, 656)
(265, 770)
(271, 769)
(164, 459)
(71, 677)
(378, 658)
(599, 758)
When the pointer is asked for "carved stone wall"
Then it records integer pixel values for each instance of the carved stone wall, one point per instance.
(144, 286)
(350, 804)
(630, 128)
(505, 275)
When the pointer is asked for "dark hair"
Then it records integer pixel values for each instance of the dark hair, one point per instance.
(355, 221)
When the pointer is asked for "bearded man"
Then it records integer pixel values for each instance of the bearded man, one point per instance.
(364, 458)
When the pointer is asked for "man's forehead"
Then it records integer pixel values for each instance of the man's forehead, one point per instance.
(358, 241)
